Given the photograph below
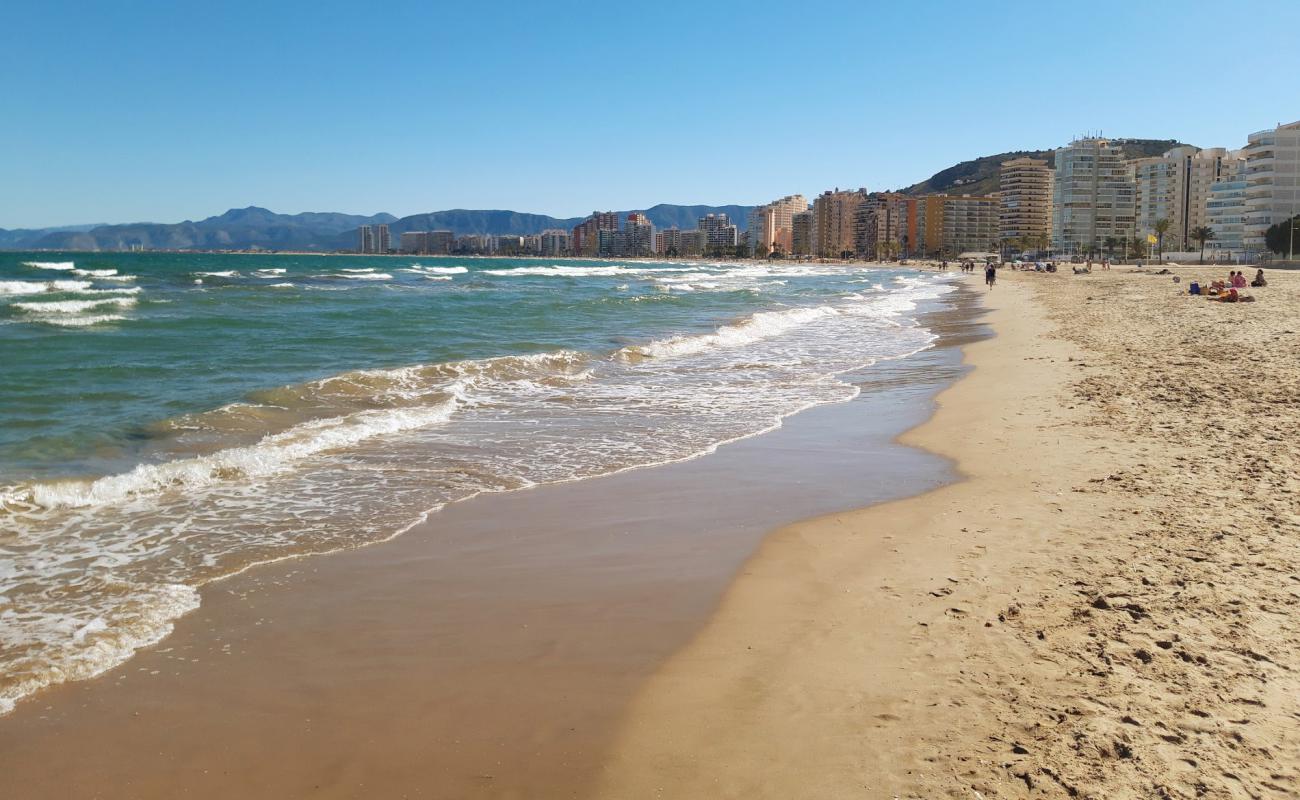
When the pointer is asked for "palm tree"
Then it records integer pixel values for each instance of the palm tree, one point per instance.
(1111, 243)
(1162, 225)
(1202, 235)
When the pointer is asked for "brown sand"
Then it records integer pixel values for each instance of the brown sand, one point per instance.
(1109, 606)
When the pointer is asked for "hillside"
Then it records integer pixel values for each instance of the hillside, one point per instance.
(238, 228)
(980, 176)
(254, 227)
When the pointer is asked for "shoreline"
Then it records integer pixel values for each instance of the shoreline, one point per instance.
(369, 628)
(1065, 621)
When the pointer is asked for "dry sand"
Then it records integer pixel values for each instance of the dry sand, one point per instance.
(1108, 607)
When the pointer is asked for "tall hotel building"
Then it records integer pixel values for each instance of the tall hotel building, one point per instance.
(1093, 195)
(1272, 173)
(1025, 201)
(949, 225)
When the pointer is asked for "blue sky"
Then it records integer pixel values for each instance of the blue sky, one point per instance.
(129, 111)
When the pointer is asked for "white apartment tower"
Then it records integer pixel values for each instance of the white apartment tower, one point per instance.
(1272, 174)
(1176, 186)
(1093, 195)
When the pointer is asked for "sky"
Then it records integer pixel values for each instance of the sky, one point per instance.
(164, 111)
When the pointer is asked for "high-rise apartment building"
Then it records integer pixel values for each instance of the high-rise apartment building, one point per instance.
(970, 224)
(1226, 209)
(693, 243)
(1025, 202)
(1176, 187)
(885, 226)
(640, 234)
(1093, 196)
(416, 242)
(719, 233)
(585, 238)
(834, 216)
(554, 242)
(801, 234)
(441, 242)
(366, 239)
(1272, 173)
(426, 242)
(949, 225)
(771, 227)
(669, 241)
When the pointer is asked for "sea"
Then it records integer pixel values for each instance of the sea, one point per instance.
(167, 420)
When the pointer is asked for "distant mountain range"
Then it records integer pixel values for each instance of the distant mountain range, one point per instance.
(980, 176)
(253, 227)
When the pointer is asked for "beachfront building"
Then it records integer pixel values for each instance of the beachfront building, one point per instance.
(970, 223)
(414, 242)
(801, 234)
(719, 234)
(426, 242)
(372, 239)
(1025, 202)
(668, 242)
(639, 235)
(611, 243)
(1175, 186)
(441, 242)
(948, 225)
(584, 240)
(553, 242)
(472, 244)
(884, 226)
(1226, 210)
(693, 243)
(1272, 174)
(508, 245)
(776, 228)
(834, 216)
(1093, 196)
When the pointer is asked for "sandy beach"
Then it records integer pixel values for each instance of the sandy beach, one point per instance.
(1096, 597)
(1107, 606)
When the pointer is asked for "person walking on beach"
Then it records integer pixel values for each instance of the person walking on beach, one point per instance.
(990, 275)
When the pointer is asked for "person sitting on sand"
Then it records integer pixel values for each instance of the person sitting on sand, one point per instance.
(1238, 280)
(1259, 279)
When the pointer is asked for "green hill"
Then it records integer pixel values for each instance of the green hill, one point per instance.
(980, 176)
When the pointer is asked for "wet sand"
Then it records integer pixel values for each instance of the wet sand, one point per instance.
(487, 653)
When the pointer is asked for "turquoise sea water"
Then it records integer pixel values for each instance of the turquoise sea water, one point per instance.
(169, 419)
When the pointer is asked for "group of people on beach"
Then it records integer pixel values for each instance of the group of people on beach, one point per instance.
(1229, 291)
(966, 266)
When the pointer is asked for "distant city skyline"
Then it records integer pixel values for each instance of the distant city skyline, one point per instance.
(162, 113)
